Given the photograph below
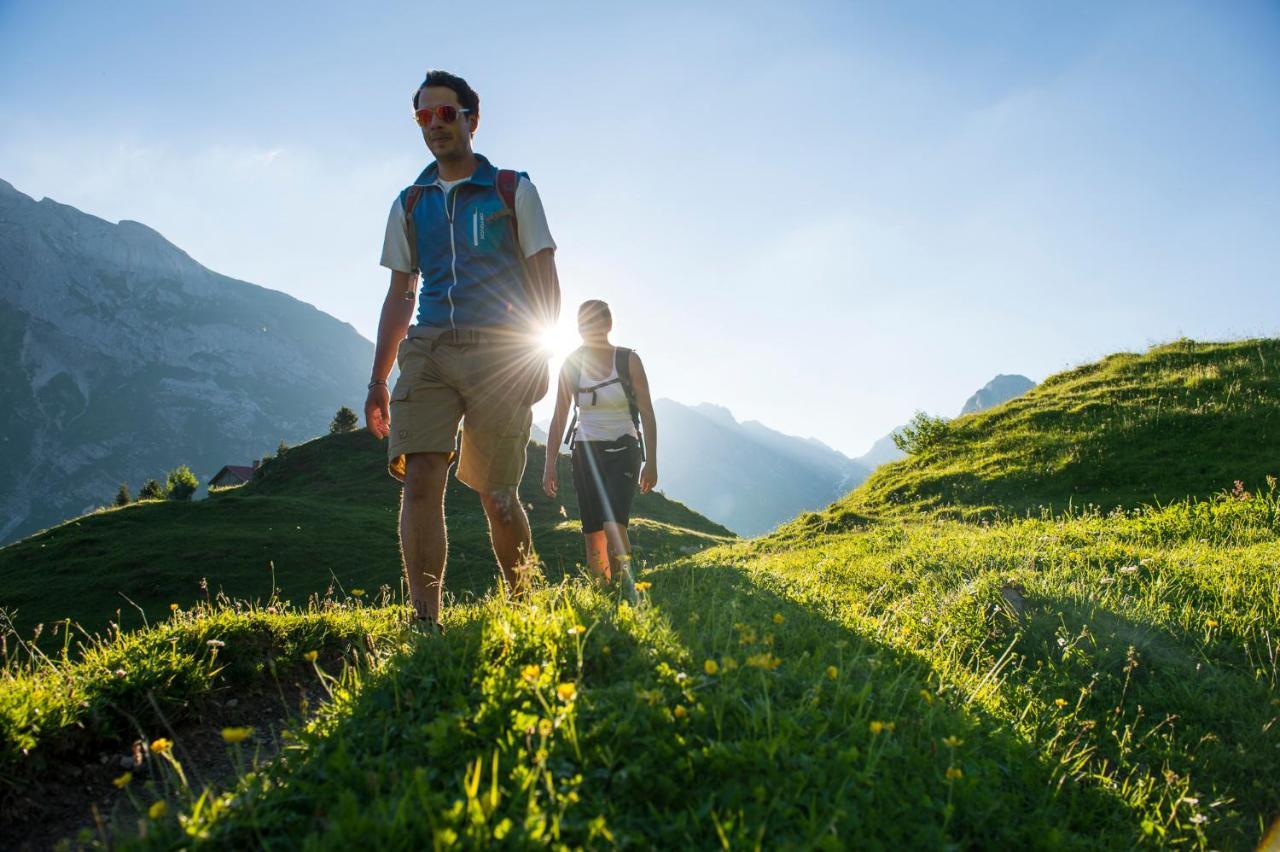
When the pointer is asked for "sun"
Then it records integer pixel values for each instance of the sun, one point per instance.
(560, 340)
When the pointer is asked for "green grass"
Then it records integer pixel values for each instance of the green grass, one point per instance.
(919, 666)
(325, 512)
(1184, 419)
(886, 693)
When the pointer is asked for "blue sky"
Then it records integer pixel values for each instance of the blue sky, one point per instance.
(823, 216)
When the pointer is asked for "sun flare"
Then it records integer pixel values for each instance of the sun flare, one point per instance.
(560, 340)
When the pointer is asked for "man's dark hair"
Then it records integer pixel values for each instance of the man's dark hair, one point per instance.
(467, 96)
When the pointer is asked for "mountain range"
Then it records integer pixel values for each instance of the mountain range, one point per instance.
(121, 357)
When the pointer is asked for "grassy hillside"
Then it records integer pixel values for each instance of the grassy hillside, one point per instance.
(322, 513)
(1182, 419)
(867, 677)
(1089, 683)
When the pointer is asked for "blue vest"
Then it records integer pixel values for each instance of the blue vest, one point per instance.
(469, 256)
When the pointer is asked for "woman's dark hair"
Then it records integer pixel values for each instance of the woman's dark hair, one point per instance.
(595, 311)
(467, 96)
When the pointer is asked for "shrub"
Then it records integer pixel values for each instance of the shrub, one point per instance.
(151, 490)
(922, 434)
(123, 498)
(344, 421)
(282, 449)
(182, 483)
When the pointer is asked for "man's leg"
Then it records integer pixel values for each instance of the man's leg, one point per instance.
(512, 541)
(598, 556)
(423, 542)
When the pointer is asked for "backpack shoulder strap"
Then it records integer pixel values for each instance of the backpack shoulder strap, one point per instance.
(410, 201)
(622, 361)
(508, 180)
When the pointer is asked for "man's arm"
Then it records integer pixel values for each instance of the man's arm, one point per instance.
(397, 313)
(544, 289)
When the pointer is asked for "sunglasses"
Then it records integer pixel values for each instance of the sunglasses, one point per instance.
(444, 112)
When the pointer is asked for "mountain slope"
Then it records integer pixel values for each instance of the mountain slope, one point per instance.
(1182, 419)
(121, 358)
(999, 390)
(744, 475)
(322, 512)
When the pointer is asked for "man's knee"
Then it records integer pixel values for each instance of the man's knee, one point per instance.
(501, 504)
(425, 475)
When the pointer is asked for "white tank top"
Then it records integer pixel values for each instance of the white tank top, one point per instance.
(607, 417)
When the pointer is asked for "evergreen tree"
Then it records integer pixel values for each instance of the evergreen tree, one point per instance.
(182, 483)
(282, 449)
(344, 421)
(123, 498)
(151, 490)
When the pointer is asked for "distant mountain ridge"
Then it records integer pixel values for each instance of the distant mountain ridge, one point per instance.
(121, 357)
(998, 391)
(745, 475)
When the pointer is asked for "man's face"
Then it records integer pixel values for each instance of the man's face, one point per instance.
(446, 141)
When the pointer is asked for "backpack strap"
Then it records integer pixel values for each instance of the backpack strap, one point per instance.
(507, 182)
(410, 201)
(622, 361)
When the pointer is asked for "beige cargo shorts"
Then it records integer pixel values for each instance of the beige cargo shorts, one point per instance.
(482, 379)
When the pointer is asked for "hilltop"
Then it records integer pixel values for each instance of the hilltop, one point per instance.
(324, 512)
(1183, 419)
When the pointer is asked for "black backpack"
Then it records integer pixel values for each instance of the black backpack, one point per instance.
(622, 363)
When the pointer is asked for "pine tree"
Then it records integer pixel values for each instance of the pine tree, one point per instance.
(151, 490)
(282, 449)
(123, 498)
(344, 421)
(182, 483)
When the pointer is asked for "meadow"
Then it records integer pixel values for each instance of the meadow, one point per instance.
(868, 676)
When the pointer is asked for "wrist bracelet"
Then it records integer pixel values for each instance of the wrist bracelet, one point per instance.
(382, 382)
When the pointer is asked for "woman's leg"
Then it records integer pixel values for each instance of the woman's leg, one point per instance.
(620, 556)
(598, 556)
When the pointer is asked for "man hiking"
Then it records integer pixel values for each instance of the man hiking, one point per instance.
(478, 238)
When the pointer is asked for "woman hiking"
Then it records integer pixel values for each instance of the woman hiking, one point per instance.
(608, 387)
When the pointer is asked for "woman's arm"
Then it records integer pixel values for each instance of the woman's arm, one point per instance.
(555, 432)
(648, 424)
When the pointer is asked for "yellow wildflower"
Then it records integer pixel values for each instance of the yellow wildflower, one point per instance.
(157, 809)
(746, 636)
(576, 630)
(173, 607)
(1061, 702)
(311, 656)
(952, 742)
(954, 773)
(567, 691)
(710, 667)
(545, 727)
(680, 712)
(161, 745)
(236, 735)
(644, 586)
(878, 727)
(832, 673)
(1212, 622)
(531, 672)
(926, 696)
(777, 618)
(123, 781)
(728, 663)
(357, 593)
(765, 661)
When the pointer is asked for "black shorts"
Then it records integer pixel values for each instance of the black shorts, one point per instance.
(605, 474)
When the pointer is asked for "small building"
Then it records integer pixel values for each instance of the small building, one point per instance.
(233, 474)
